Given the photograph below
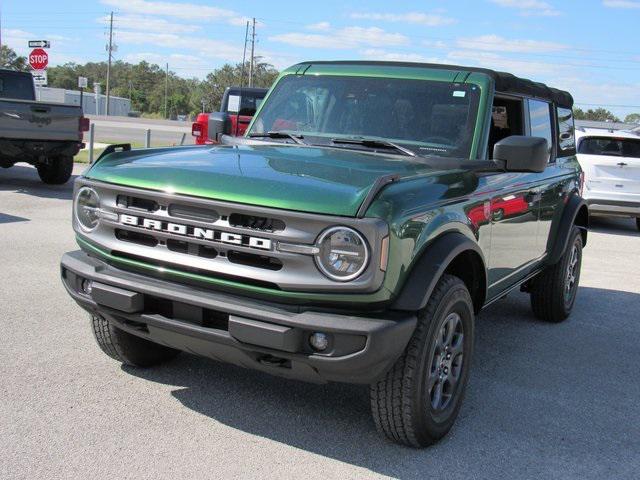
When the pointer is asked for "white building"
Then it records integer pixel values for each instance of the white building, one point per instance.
(117, 105)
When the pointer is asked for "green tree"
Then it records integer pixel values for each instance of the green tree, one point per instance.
(632, 118)
(599, 114)
(144, 84)
(228, 75)
(10, 59)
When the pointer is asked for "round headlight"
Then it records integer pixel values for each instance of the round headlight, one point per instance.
(343, 253)
(86, 209)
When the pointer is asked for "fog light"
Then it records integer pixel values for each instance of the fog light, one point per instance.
(87, 286)
(319, 341)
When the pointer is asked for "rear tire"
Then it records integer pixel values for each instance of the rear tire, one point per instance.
(638, 223)
(418, 400)
(57, 171)
(553, 292)
(127, 348)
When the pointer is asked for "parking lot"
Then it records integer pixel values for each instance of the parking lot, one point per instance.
(544, 401)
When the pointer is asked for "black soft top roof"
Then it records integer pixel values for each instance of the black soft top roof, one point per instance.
(504, 82)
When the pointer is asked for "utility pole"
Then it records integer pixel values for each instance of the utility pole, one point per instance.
(253, 44)
(1, 64)
(109, 49)
(244, 53)
(244, 62)
(166, 90)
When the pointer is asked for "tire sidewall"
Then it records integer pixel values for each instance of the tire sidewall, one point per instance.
(455, 300)
(576, 240)
(58, 171)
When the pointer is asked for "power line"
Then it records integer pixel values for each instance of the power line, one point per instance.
(253, 44)
(569, 47)
(166, 89)
(606, 105)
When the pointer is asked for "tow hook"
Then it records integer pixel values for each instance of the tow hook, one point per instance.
(272, 361)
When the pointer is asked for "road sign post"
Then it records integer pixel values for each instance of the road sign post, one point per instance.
(82, 84)
(96, 90)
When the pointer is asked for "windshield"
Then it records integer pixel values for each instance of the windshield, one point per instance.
(428, 117)
(615, 147)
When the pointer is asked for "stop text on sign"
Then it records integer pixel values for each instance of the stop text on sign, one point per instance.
(38, 59)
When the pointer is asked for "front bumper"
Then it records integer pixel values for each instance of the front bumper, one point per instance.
(238, 330)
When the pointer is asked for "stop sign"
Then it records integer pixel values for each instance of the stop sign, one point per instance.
(38, 59)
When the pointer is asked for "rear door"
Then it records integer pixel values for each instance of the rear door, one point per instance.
(612, 167)
(554, 183)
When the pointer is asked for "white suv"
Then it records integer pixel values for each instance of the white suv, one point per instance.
(611, 163)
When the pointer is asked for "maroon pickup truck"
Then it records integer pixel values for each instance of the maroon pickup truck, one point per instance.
(239, 104)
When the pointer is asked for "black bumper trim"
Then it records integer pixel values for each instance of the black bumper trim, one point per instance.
(384, 339)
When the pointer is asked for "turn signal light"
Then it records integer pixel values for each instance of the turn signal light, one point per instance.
(84, 124)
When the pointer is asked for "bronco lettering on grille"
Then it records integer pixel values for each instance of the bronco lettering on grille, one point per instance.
(196, 232)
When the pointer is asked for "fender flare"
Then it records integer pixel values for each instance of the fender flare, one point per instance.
(572, 209)
(428, 269)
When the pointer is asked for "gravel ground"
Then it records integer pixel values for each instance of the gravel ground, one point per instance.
(544, 401)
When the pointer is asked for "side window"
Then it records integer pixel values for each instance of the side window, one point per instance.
(566, 134)
(506, 119)
(540, 121)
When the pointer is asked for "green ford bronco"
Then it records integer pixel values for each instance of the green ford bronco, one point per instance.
(353, 234)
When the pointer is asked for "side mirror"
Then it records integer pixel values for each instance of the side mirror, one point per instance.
(219, 124)
(522, 154)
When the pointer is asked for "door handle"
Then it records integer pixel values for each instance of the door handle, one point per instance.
(38, 109)
(533, 196)
(621, 164)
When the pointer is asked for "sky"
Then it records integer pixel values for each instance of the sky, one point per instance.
(589, 47)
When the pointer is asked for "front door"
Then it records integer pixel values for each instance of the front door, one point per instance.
(515, 202)
(514, 234)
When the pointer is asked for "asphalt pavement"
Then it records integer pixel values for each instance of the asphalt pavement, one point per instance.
(544, 401)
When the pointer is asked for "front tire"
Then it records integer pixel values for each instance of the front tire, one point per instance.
(638, 223)
(57, 171)
(127, 348)
(418, 400)
(553, 292)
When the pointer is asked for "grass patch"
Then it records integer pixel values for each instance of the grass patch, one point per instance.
(83, 155)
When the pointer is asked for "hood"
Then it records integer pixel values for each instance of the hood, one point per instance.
(307, 179)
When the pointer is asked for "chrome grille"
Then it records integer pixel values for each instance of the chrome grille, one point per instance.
(230, 246)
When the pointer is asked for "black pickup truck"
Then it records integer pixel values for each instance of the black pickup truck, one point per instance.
(46, 135)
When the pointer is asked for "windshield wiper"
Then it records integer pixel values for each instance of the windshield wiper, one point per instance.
(374, 143)
(274, 134)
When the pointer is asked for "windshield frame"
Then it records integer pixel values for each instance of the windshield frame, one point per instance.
(477, 121)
